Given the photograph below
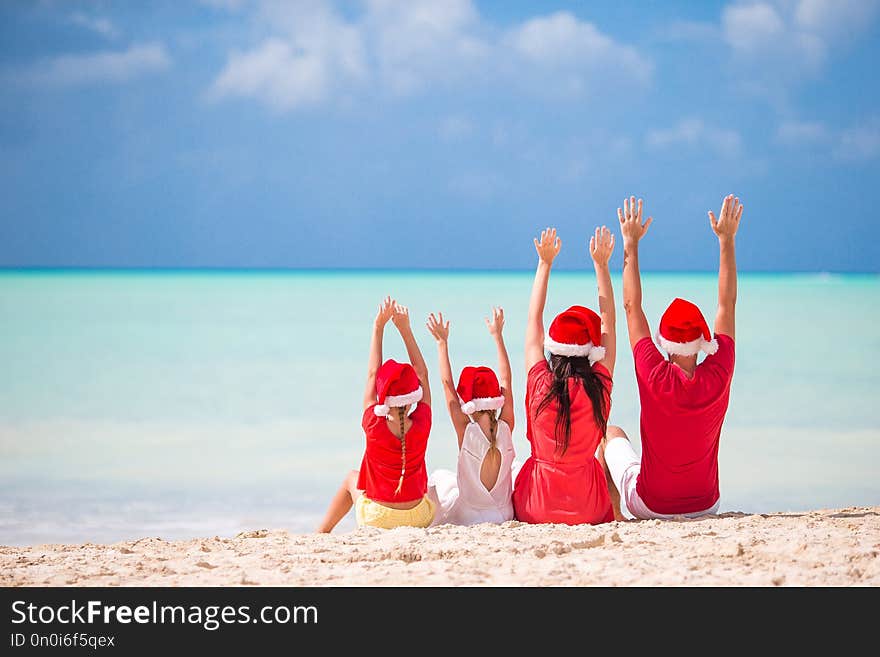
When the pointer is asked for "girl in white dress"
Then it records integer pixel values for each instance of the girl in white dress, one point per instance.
(481, 489)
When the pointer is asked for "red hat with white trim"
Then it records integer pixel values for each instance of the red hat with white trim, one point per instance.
(397, 384)
(478, 390)
(576, 332)
(683, 330)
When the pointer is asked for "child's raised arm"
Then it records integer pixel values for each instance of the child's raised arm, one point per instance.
(601, 247)
(505, 378)
(386, 309)
(725, 228)
(440, 330)
(400, 317)
(548, 248)
(632, 229)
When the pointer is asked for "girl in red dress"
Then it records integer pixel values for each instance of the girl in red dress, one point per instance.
(390, 489)
(568, 398)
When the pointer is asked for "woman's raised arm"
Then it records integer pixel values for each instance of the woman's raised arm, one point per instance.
(548, 248)
(601, 247)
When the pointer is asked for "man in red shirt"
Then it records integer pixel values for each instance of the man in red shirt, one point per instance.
(683, 403)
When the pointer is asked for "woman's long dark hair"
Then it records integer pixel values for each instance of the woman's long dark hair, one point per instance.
(594, 383)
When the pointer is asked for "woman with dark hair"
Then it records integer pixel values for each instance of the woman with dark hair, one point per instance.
(568, 398)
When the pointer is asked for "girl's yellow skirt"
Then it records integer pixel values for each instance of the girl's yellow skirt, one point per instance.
(374, 514)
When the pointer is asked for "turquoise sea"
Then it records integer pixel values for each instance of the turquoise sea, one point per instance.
(181, 404)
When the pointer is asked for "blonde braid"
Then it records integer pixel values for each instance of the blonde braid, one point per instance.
(493, 420)
(401, 412)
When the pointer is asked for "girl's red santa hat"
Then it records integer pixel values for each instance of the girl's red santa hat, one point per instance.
(397, 384)
(478, 390)
(576, 332)
(683, 330)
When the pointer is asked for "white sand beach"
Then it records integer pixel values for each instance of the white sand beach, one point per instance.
(825, 548)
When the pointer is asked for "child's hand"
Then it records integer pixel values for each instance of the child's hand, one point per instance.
(631, 226)
(601, 246)
(496, 324)
(437, 328)
(400, 317)
(728, 224)
(549, 246)
(386, 309)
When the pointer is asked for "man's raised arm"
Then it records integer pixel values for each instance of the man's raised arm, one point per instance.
(725, 227)
(632, 229)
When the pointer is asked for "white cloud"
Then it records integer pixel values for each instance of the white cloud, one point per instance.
(786, 40)
(421, 41)
(758, 32)
(276, 73)
(774, 45)
(693, 132)
(97, 24)
(802, 132)
(860, 142)
(104, 66)
(835, 19)
(560, 41)
(751, 27)
(557, 38)
(318, 53)
(687, 131)
(313, 54)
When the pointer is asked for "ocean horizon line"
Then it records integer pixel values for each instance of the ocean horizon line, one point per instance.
(411, 270)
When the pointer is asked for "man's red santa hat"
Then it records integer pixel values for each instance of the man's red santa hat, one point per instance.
(683, 330)
(396, 385)
(478, 390)
(576, 332)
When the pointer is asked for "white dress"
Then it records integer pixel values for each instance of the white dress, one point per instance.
(461, 497)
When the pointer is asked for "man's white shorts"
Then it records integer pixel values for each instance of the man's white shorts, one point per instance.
(625, 465)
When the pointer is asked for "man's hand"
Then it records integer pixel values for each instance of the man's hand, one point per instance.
(496, 324)
(601, 246)
(725, 228)
(728, 223)
(386, 310)
(549, 245)
(631, 226)
(438, 328)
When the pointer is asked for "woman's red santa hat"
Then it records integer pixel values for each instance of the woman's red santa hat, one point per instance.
(576, 332)
(683, 330)
(397, 384)
(478, 390)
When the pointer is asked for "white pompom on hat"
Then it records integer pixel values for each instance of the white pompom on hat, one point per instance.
(478, 390)
(576, 332)
(684, 331)
(397, 384)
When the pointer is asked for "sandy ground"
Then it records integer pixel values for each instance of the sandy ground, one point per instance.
(825, 548)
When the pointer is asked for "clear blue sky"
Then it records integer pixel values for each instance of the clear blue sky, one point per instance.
(378, 133)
